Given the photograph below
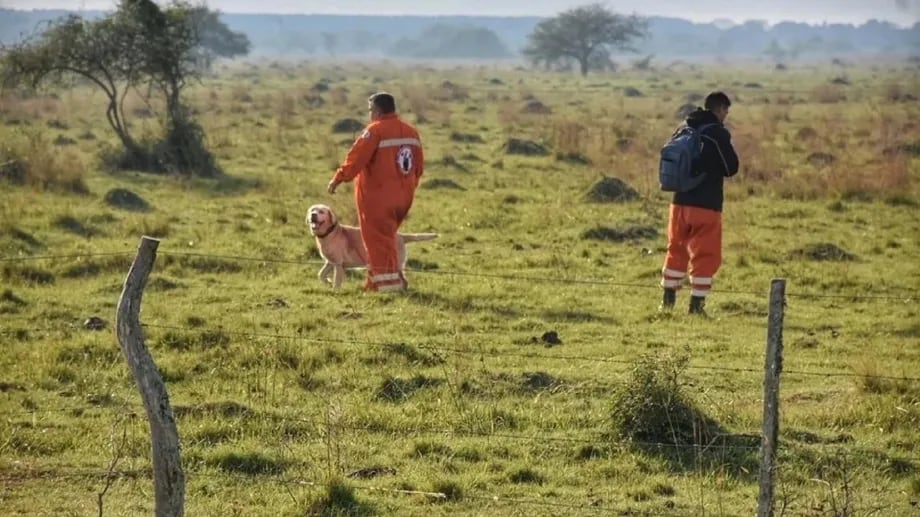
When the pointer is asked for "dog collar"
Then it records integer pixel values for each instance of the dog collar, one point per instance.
(331, 229)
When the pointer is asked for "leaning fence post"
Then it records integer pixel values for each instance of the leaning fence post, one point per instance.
(168, 479)
(773, 365)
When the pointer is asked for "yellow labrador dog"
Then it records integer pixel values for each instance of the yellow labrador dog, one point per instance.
(341, 246)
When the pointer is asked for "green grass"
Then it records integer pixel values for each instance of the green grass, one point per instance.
(282, 387)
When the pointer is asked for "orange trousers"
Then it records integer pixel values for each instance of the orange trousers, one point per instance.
(380, 218)
(694, 247)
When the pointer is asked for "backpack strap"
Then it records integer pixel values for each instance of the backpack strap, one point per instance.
(713, 140)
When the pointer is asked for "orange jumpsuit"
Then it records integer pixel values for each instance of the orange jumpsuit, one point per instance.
(386, 162)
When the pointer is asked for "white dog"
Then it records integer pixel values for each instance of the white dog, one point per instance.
(341, 246)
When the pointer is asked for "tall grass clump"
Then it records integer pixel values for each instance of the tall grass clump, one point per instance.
(650, 406)
(28, 159)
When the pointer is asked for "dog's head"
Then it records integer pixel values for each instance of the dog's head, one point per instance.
(321, 220)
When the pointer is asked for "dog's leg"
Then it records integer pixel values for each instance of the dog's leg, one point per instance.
(403, 257)
(339, 276)
(324, 272)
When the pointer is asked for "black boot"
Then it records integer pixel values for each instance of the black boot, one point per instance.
(668, 298)
(696, 305)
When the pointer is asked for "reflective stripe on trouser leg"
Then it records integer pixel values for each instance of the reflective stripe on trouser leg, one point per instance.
(387, 282)
(672, 279)
(700, 286)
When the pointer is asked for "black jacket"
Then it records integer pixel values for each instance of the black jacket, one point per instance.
(718, 161)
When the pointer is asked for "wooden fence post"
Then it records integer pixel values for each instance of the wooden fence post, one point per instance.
(168, 478)
(773, 365)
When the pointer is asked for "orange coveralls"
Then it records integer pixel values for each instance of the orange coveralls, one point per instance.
(386, 162)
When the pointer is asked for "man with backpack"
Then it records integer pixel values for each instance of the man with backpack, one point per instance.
(693, 165)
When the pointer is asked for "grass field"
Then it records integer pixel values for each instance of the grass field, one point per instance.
(292, 399)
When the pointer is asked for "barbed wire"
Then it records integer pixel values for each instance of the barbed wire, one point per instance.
(65, 256)
(744, 438)
(478, 352)
(531, 355)
(281, 479)
(591, 438)
(549, 279)
(906, 297)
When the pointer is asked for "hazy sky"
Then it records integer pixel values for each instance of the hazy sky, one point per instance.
(902, 12)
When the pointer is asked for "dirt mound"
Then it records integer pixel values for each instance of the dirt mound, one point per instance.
(525, 147)
(632, 92)
(126, 200)
(454, 92)
(820, 159)
(549, 339)
(535, 107)
(71, 224)
(13, 171)
(611, 190)
(467, 138)
(347, 125)
(573, 158)
(823, 251)
(806, 133)
(441, 183)
(536, 381)
(450, 161)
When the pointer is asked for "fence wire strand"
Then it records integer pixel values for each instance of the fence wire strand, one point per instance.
(908, 295)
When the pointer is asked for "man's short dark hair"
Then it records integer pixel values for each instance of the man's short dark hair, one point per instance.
(716, 100)
(383, 101)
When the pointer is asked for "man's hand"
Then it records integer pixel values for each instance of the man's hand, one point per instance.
(332, 186)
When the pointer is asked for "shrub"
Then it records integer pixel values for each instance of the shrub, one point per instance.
(27, 158)
(650, 406)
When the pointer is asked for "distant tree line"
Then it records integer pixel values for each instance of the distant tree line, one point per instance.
(497, 37)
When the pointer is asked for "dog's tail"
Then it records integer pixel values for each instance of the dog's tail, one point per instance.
(412, 237)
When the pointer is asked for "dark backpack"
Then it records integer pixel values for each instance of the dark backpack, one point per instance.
(675, 170)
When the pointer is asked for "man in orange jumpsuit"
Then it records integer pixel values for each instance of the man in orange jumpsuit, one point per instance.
(695, 217)
(386, 162)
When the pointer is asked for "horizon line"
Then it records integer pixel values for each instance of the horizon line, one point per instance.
(717, 20)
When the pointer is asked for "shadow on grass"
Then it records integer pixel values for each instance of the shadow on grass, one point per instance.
(339, 500)
(218, 186)
(715, 451)
(464, 305)
(250, 463)
(577, 317)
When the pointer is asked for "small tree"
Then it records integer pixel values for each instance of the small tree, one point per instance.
(138, 47)
(586, 34)
(216, 40)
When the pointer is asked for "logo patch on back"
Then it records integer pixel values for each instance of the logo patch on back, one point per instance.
(404, 158)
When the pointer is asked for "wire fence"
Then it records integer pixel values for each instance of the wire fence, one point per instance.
(905, 294)
(364, 474)
(737, 442)
(146, 474)
(481, 351)
(743, 441)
